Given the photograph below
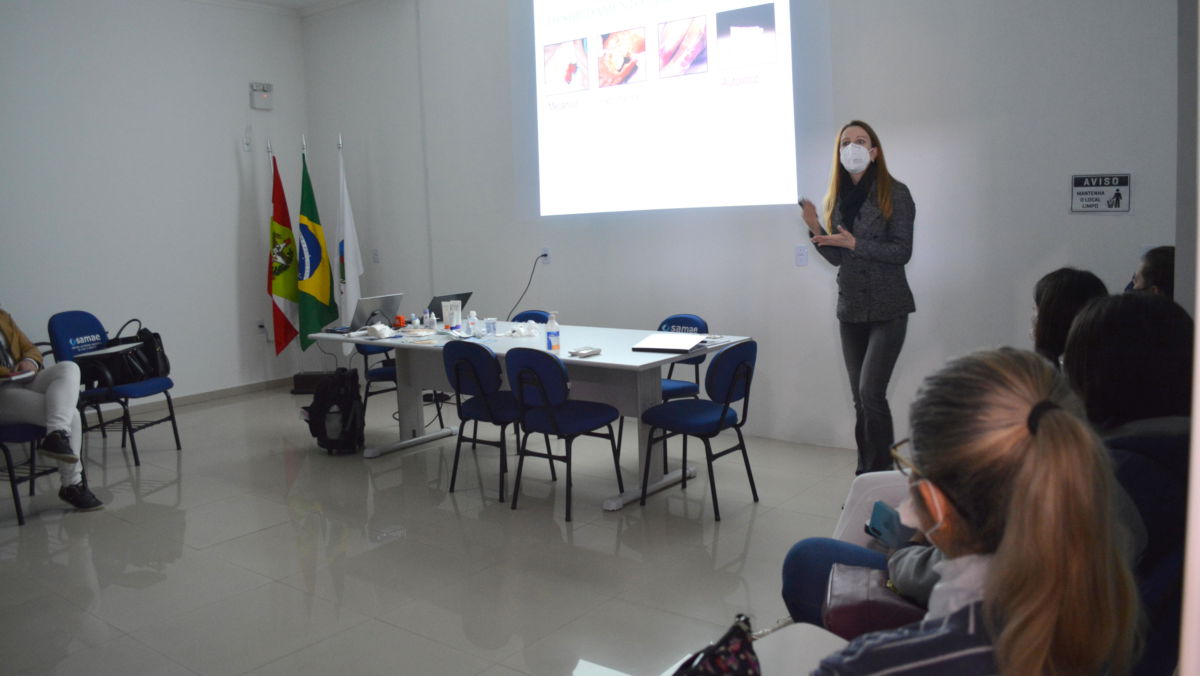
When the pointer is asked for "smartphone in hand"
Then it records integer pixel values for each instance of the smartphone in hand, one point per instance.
(885, 526)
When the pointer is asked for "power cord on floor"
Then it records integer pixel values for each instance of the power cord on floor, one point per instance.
(396, 415)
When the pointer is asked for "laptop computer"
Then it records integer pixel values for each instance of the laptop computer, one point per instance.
(376, 310)
(435, 305)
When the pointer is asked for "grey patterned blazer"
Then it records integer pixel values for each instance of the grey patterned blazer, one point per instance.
(871, 282)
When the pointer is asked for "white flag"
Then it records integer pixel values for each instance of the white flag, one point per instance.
(350, 266)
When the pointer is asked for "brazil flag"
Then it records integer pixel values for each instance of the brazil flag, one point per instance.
(317, 306)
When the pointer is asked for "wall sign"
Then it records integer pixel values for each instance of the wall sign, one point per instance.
(1100, 192)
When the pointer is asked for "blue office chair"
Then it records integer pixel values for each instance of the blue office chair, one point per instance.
(542, 387)
(383, 371)
(676, 389)
(539, 316)
(473, 370)
(25, 471)
(726, 383)
(75, 333)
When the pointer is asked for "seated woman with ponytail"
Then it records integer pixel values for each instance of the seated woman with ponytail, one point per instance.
(1010, 483)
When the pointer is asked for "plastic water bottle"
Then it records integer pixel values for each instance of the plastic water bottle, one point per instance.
(552, 333)
(425, 322)
(472, 324)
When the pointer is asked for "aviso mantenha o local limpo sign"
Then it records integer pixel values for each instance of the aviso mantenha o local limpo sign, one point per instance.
(1100, 192)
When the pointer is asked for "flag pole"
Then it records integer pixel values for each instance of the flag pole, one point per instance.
(339, 142)
(303, 144)
(270, 153)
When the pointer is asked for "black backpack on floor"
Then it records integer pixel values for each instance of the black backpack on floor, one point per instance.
(335, 416)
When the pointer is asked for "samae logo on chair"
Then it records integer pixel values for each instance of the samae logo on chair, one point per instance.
(83, 343)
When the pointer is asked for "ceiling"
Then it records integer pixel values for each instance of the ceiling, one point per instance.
(298, 5)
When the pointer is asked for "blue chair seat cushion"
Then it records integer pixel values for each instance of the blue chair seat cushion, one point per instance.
(573, 417)
(697, 417)
(381, 373)
(674, 389)
(17, 433)
(144, 388)
(503, 404)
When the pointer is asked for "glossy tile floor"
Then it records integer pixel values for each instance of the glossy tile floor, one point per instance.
(252, 551)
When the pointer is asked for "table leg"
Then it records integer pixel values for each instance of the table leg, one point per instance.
(631, 392)
(413, 368)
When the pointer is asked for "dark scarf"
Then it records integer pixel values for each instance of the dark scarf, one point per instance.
(851, 195)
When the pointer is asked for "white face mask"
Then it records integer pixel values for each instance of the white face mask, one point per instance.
(855, 158)
(909, 517)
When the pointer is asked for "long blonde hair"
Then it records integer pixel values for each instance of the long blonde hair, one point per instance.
(883, 180)
(1036, 493)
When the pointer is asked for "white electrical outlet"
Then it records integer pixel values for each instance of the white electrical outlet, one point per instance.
(546, 255)
(801, 255)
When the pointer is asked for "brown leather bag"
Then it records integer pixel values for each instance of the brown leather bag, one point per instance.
(858, 601)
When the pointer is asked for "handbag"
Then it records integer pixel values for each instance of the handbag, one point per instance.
(733, 653)
(859, 601)
(148, 360)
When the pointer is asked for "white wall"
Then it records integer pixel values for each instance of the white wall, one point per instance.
(985, 110)
(123, 186)
(121, 123)
(361, 67)
(731, 266)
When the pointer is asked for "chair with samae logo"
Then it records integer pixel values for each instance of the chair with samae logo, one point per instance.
(109, 373)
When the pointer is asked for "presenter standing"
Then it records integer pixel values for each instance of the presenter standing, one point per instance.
(869, 240)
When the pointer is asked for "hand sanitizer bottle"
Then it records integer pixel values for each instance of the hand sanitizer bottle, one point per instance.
(552, 333)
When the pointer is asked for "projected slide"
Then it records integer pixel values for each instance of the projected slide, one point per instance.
(663, 104)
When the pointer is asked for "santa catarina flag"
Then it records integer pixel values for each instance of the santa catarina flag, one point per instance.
(317, 306)
(281, 267)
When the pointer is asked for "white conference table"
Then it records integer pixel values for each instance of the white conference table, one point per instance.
(628, 380)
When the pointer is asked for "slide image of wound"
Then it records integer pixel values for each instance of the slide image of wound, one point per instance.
(746, 36)
(621, 57)
(565, 66)
(683, 47)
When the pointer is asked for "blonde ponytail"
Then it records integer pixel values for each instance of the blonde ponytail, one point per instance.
(1060, 593)
(1001, 433)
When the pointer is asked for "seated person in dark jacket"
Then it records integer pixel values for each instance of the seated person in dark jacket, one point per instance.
(1057, 298)
(1130, 359)
(1156, 274)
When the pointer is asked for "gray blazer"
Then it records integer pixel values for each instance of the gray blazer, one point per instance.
(871, 282)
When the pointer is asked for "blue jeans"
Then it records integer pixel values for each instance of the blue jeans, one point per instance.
(870, 350)
(806, 573)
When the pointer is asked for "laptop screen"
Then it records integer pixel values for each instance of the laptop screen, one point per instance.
(376, 309)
